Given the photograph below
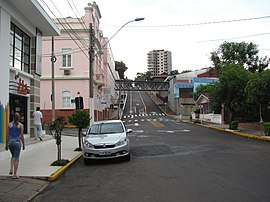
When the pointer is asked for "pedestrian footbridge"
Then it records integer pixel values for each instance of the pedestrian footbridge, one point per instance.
(130, 85)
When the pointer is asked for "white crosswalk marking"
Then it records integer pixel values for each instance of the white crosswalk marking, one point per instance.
(143, 115)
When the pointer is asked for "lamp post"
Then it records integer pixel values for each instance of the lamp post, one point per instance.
(91, 60)
(135, 20)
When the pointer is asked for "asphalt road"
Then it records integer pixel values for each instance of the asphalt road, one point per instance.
(171, 161)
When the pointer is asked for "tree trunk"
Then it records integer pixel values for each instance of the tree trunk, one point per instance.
(79, 138)
(58, 152)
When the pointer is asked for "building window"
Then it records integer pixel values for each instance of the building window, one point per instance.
(66, 57)
(186, 92)
(19, 49)
(66, 99)
(38, 52)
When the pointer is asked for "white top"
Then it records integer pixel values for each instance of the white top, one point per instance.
(37, 117)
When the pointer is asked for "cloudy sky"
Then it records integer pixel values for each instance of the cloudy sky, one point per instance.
(190, 29)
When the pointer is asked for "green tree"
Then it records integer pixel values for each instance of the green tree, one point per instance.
(55, 129)
(230, 89)
(186, 71)
(243, 54)
(121, 68)
(211, 90)
(174, 72)
(205, 89)
(80, 119)
(143, 76)
(257, 91)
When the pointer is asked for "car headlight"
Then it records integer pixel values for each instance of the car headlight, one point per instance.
(121, 142)
(88, 144)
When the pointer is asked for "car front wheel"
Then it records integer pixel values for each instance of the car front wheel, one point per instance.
(86, 161)
(127, 157)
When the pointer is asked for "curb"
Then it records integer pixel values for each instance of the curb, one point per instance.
(264, 138)
(38, 191)
(158, 105)
(55, 175)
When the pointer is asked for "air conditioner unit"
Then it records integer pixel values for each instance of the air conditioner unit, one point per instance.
(66, 72)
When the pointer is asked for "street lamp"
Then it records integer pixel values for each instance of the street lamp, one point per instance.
(91, 60)
(135, 20)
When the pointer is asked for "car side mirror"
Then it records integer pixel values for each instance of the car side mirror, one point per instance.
(84, 134)
(129, 130)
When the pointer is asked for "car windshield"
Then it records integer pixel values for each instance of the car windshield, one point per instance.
(105, 128)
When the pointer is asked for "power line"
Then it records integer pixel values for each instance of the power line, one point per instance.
(205, 23)
(64, 26)
(81, 21)
(76, 35)
(240, 37)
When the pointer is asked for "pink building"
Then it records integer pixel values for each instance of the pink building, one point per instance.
(71, 68)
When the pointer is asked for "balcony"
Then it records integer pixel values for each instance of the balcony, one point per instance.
(99, 80)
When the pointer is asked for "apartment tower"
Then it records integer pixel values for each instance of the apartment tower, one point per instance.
(159, 62)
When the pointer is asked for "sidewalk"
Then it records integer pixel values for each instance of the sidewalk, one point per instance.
(34, 168)
(249, 133)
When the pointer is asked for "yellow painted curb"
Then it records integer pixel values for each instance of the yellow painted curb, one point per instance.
(55, 175)
(70, 126)
(265, 138)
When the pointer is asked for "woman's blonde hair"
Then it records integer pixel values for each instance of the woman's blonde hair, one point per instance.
(17, 117)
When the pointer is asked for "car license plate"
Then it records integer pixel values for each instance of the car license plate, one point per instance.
(102, 153)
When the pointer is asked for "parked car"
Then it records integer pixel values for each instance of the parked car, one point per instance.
(105, 140)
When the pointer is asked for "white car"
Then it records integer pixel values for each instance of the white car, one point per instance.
(106, 139)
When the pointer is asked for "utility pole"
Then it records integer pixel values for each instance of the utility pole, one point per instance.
(91, 60)
(53, 60)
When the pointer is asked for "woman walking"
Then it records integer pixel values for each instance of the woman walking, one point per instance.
(14, 139)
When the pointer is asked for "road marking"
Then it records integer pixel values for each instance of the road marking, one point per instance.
(138, 131)
(157, 124)
(172, 131)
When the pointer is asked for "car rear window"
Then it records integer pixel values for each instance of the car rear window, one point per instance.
(105, 128)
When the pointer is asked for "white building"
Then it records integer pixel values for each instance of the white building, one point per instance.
(22, 24)
(159, 62)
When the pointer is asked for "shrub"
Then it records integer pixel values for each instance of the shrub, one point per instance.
(197, 121)
(81, 119)
(55, 129)
(234, 125)
(61, 162)
(267, 128)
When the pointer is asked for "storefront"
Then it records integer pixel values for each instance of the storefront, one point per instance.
(19, 104)
(22, 24)
(19, 97)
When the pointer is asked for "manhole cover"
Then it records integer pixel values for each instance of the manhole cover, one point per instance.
(150, 150)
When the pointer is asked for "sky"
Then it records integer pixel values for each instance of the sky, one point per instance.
(187, 28)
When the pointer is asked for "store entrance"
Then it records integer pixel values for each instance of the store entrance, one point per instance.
(19, 104)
